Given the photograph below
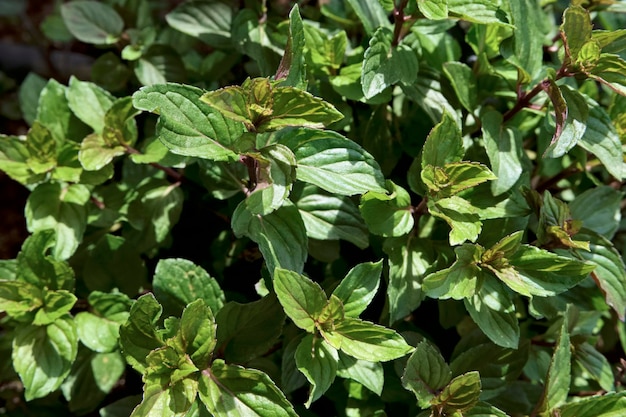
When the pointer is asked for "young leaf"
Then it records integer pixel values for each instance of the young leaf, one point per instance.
(366, 341)
(207, 20)
(43, 355)
(41, 148)
(292, 67)
(37, 267)
(138, 336)
(330, 217)
(317, 360)
(187, 126)
(485, 12)
(443, 144)
(461, 216)
(388, 214)
(369, 374)
(557, 381)
(576, 29)
(294, 107)
(232, 390)
(20, 300)
(178, 282)
(62, 209)
(493, 310)
(332, 162)
(14, 156)
(247, 331)
(385, 65)
(461, 394)
(426, 373)
(359, 287)
(455, 177)
(55, 305)
(92, 22)
(281, 235)
(460, 280)
(302, 299)
(95, 153)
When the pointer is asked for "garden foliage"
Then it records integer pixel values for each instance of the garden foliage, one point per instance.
(351, 207)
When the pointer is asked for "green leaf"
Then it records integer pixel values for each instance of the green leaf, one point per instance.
(609, 273)
(20, 300)
(43, 356)
(55, 304)
(160, 64)
(461, 279)
(92, 22)
(607, 405)
(388, 214)
(54, 113)
(332, 162)
(178, 282)
(371, 14)
(173, 400)
(30, 89)
(410, 259)
(37, 267)
(276, 172)
(596, 364)
(99, 334)
(461, 216)
(232, 390)
(575, 123)
(210, 21)
(52, 206)
(323, 51)
(433, 9)
(292, 68)
(610, 41)
(609, 70)
(317, 360)
(197, 333)
(598, 208)
(504, 149)
(602, 140)
(485, 12)
(539, 272)
(576, 29)
(14, 155)
(443, 144)
(95, 153)
(138, 336)
(461, 394)
(524, 50)
(560, 108)
(281, 235)
(366, 341)
(330, 217)
(426, 373)
(89, 102)
(493, 310)
(455, 177)
(359, 287)
(247, 331)
(385, 65)
(369, 374)
(463, 82)
(302, 299)
(557, 381)
(187, 126)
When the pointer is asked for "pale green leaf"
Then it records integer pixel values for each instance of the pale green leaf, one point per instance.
(606, 405)
(460, 280)
(187, 126)
(97, 333)
(504, 149)
(207, 20)
(463, 81)
(30, 89)
(443, 144)
(599, 210)
(484, 11)
(576, 29)
(596, 364)
(461, 394)
(369, 374)
(95, 153)
(14, 155)
(317, 360)
(92, 22)
(37, 267)
(461, 216)
(160, 64)
(89, 102)
(173, 400)
(178, 282)
(232, 390)
(43, 356)
(524, 49)
(388, 214)
(359, 287)
(55, 305)
(433, 9)
(302, 299)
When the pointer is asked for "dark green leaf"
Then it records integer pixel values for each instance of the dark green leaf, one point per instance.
(493, 310)
(92, 22)
(281, 235)
(596, 364)
(426, 373)
(463, 81)
(371, 14)
(37, 267)
(317, 360)
(30, 89)
(598, 208)
(302, 299)
(187, 126)
(292, 68)
(43, 355)
(247, 331)
(178, 282)
(233, 390)
(138, 336)
(197, 333)
(41, 148)
(390, 214)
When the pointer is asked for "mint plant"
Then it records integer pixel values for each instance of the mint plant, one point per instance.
(354, 208)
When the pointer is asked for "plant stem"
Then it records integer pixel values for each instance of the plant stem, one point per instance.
(399, 20)
(177, 176)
